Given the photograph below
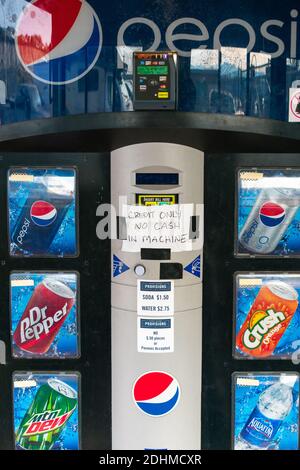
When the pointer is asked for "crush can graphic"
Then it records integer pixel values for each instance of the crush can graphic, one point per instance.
(44, 315)
(46, 411)
(42, 212)
(266, 411)
(266, 323)
(268, 212)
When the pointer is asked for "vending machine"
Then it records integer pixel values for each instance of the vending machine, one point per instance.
(140, 337)
(149, 245)
(157, 189)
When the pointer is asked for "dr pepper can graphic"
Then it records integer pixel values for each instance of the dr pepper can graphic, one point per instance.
(44, 315)
(267, 319)
(45, 419)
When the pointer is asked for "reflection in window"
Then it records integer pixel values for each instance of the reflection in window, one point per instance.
(124, 78)
(233, 79)
(259, 84)
(205, 75)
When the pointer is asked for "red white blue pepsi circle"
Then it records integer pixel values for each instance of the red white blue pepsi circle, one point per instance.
(271, 214)
(58, 41)
(156, 393)
(43, 213)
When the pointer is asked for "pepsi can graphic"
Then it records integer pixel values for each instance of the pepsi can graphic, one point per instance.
(42, 212)
(269, 219)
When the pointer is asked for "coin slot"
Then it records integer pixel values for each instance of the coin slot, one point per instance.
(171, 271)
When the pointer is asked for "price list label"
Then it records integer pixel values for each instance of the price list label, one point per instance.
(155, 298)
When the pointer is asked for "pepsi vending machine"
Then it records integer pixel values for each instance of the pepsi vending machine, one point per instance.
(56, 362)
(120, 329)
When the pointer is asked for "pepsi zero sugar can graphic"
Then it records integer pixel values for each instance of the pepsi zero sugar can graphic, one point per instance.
(156, 393)
(46, 411)
(269, 219)
(42, 212)
(44, 315)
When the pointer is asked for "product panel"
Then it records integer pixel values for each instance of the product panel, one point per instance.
(268, 215)
(44, 315)
(42, 212)
(267, 316)
(266, 411)
(46, 411)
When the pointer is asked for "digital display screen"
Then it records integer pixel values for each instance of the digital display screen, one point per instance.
(153, 75)
(151, 70)
(156, 199)
(163, 179)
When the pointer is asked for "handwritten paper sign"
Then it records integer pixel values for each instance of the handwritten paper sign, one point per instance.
(158, 227)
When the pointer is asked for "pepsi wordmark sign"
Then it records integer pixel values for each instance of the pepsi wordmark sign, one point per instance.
(52, 32)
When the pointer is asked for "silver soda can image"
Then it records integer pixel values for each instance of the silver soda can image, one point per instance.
(270, 217)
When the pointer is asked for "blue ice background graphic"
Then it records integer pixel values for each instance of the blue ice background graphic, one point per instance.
(65, 240)
(23, 397)
(65, 344)
(246, 398)
(290, 242)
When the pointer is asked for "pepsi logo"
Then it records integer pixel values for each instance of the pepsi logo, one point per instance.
(271, 214)
(57, 41)
(156, 393)
(43, 213)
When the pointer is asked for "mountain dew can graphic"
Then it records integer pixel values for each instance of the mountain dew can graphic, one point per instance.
(45, 419)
